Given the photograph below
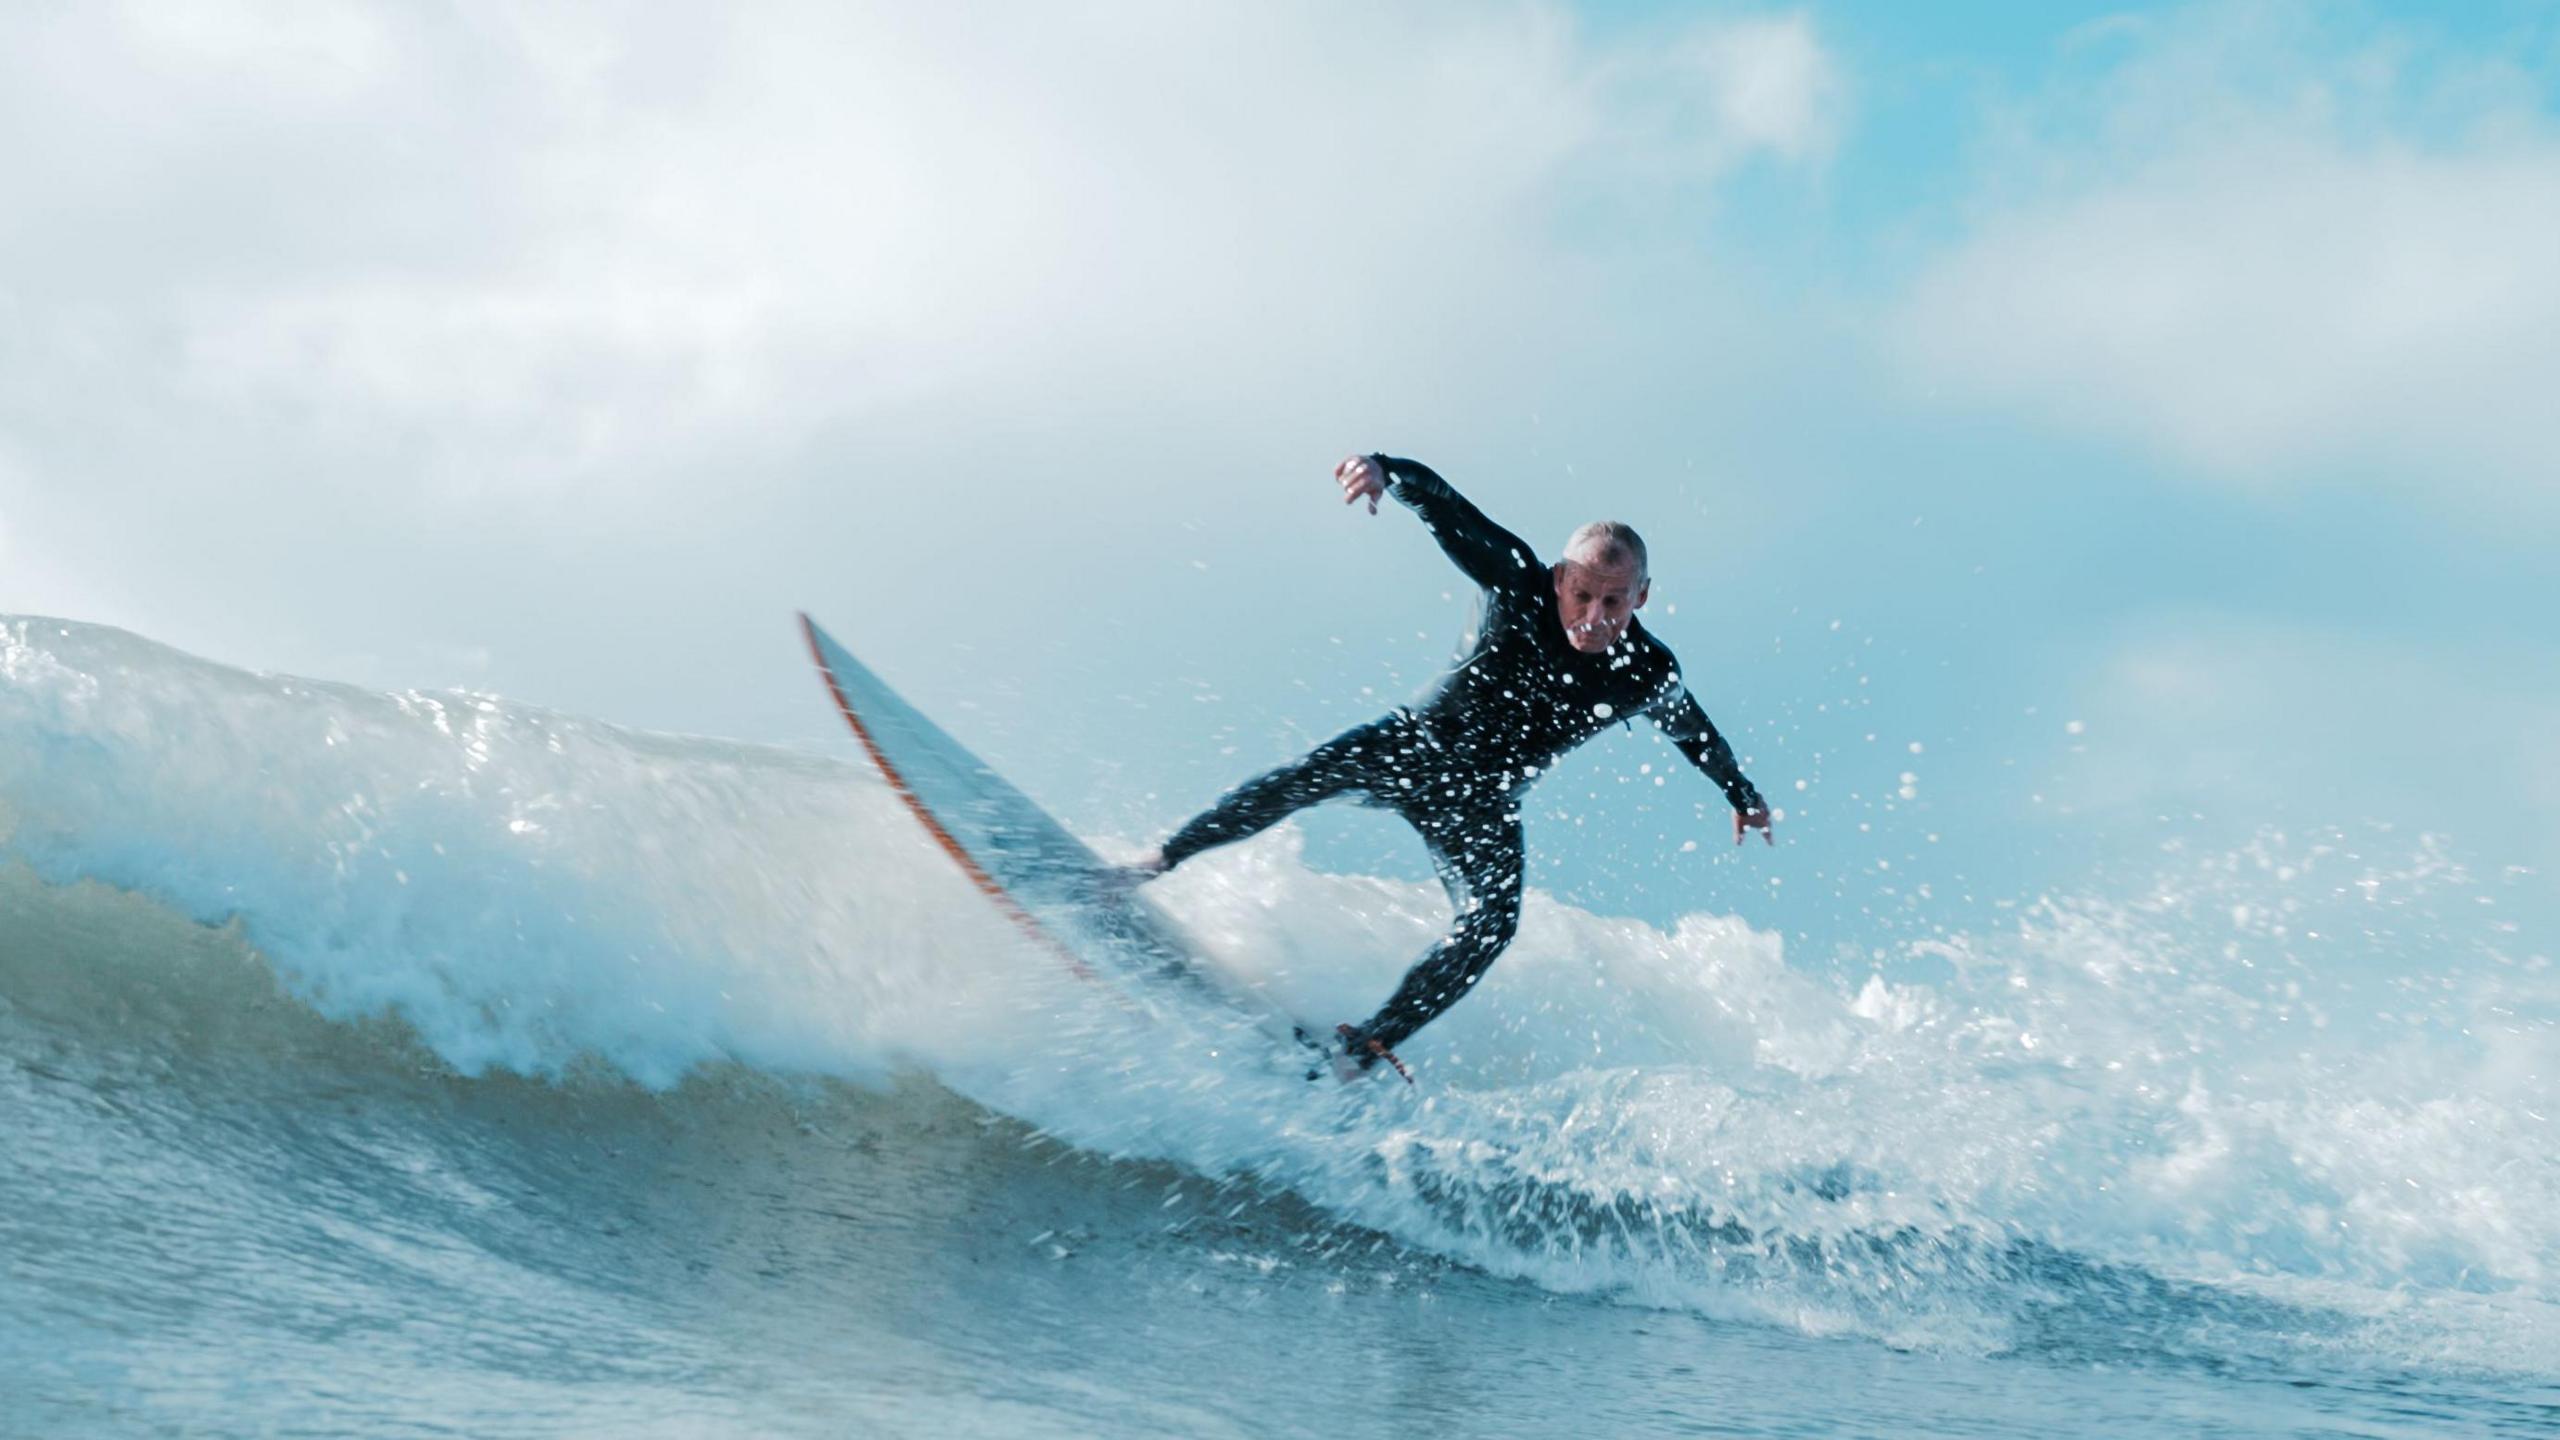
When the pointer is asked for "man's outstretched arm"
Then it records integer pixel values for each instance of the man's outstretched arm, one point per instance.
(1696, 735)
(1490, 555)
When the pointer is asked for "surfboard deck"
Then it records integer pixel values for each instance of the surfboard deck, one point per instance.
(1031, 868)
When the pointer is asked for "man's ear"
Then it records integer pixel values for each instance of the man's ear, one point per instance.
(1644, 588)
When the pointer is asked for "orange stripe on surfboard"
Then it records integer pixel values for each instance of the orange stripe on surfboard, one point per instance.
(986, 883)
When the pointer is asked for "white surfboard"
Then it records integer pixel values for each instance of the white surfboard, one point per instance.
(1040, 876)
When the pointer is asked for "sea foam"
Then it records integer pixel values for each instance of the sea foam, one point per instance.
(1990, 1140)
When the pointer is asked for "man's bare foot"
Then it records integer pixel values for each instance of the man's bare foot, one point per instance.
(1358, 1052)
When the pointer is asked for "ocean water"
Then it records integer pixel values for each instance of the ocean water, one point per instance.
(430, 1065)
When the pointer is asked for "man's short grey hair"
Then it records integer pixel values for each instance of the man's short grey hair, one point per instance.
(1607, 545)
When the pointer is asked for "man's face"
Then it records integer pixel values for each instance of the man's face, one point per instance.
(1596, 604)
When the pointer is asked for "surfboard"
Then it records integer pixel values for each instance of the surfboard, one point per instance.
(1036, 872)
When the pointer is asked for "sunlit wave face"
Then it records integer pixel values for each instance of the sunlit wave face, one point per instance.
(1596, 603)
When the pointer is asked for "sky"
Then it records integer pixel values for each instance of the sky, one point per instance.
(2071, 437)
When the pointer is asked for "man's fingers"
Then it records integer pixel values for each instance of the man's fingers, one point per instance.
(1360, 481)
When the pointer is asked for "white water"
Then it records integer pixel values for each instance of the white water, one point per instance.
(2293, 1101)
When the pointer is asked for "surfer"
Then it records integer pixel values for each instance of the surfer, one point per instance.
(1556, 657)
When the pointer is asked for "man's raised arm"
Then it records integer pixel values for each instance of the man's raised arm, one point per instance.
(1678, 714)
(1490, 555)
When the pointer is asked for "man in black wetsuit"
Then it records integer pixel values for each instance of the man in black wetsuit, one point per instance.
(1557, 657)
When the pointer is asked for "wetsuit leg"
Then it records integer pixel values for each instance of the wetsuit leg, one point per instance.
(1349, 761)
(1478, 852)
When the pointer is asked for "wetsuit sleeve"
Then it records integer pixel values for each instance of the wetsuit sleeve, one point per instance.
(1490, 555)
(1678, 714)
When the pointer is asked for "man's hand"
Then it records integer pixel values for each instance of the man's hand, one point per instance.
(1755, 818)
(1361, 480)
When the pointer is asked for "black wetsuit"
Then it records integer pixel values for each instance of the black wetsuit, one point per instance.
(1455, 764)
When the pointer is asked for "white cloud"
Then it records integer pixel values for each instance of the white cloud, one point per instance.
(2258, 721)
(1771, 85)
(537, 245)
(2276, 310)
(1706, 99)
(330, 324)
(2318, 265)
(325, 49)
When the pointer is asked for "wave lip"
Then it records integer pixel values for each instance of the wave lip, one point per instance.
(526, 889)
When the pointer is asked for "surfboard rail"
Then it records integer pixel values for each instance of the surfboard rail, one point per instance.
(1038, 874)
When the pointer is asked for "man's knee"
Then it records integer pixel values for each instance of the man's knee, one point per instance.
(1491, 921)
